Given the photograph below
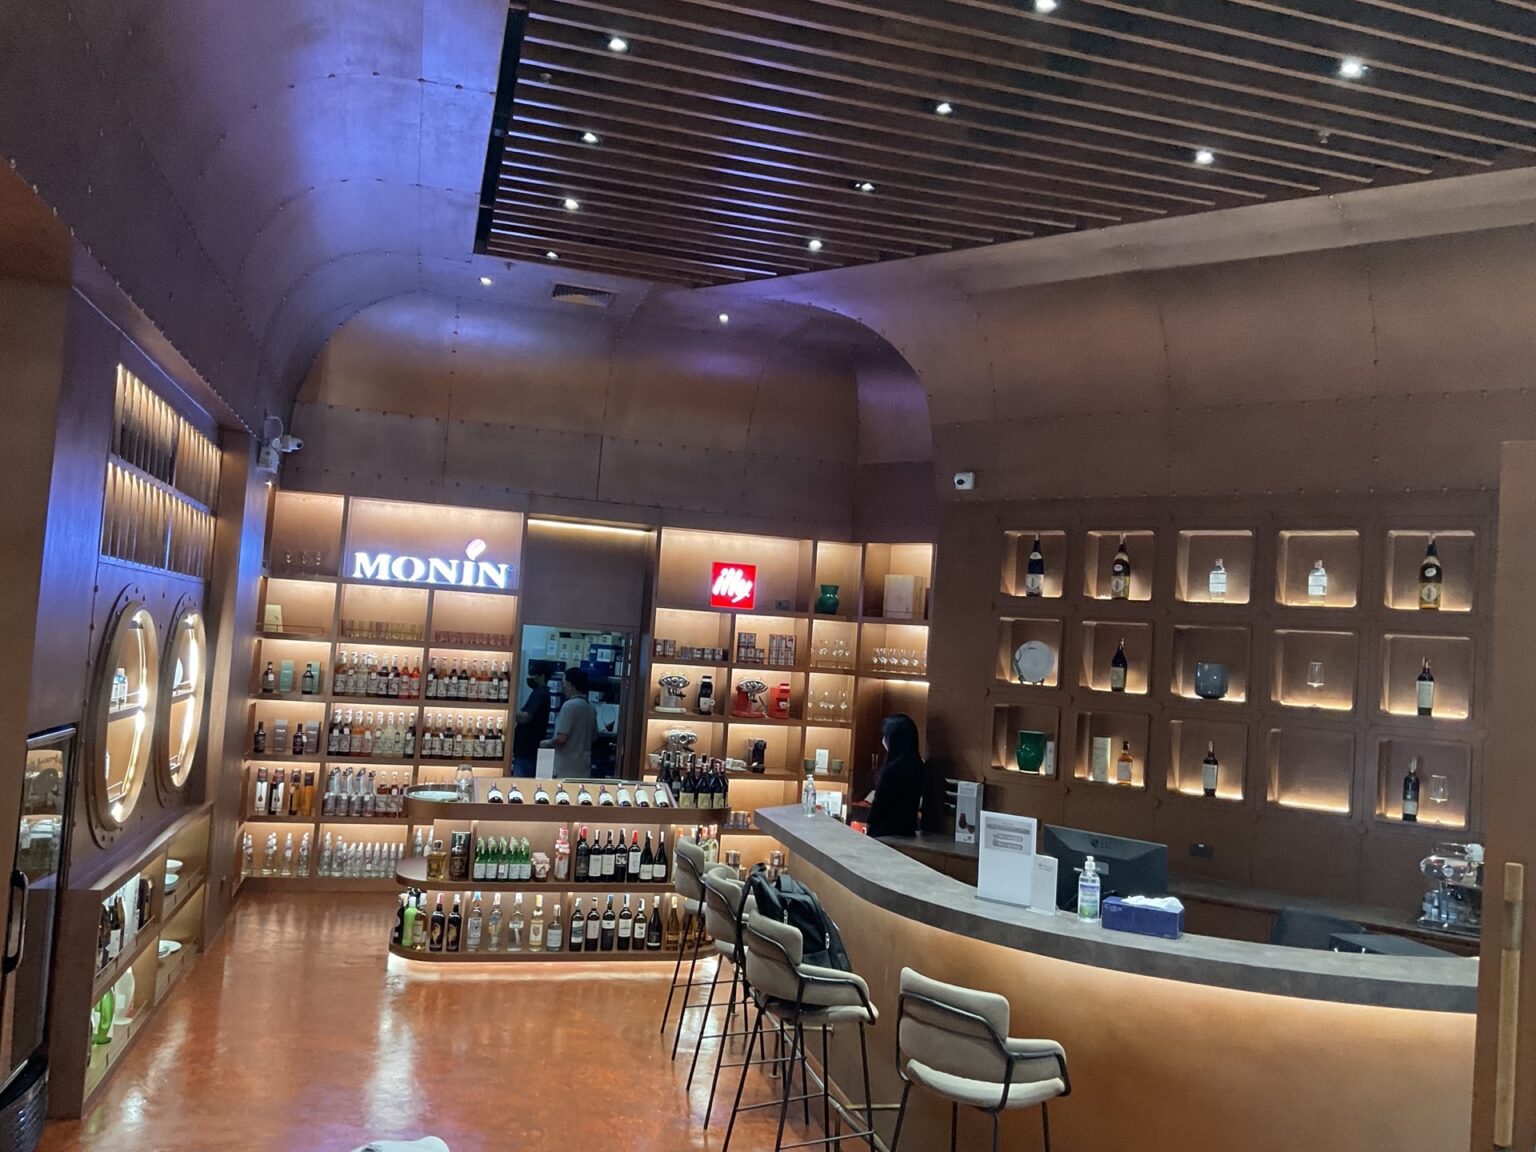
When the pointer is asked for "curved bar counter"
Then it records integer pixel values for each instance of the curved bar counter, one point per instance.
(1195, 1044)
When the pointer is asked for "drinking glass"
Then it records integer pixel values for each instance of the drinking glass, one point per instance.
(1315, 674)
(1439, 790)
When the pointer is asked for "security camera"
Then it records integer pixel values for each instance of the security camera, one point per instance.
(287, 444)
(965, 481)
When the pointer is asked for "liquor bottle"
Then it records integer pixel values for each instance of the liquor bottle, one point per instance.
(1411, 792)
(706, 701)
(593, 929)
(247, 855)
(259, 795)
(259, 741)
(503, 860)
(277, 803)
(514, 924)
(537, 938)
(626, 925)
(303, 865)
(295, 790)
(1431, 575)
(455, 936)
(474, 925)
(632, 864)
(437, 928)
(1120, 573)
(1124, 764)
(1034, 570)
(287, 868)
(673, 934)
(420, 941)
(647, 862)
(493, 925)
(1218, 580)
(268, 680)
(398, 935)
(1426, 690)
(536, 925)
(653, 932)
(116, 922)
(1118, 666)
(1317, 583)
(1210, 770)
(609, 926)
(576, 937)
(583, 856)
(405, 930)
(310, 681)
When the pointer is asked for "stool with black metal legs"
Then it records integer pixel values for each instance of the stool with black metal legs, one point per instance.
(723, 896)
(690, 864)
(798, 996)
(954, 1042)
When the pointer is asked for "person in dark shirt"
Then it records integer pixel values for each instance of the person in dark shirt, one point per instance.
(908, 793)
(532, 723)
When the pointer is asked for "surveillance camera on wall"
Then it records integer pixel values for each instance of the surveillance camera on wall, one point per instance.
(287, 444)
(965, 481)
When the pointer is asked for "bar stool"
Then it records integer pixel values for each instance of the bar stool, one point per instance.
(797, 996)
(954, 1042)
(690, 864)
(723, 895)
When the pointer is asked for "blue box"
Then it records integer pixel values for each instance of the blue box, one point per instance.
(1122, 917)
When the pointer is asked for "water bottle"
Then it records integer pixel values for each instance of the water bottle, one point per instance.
(1088, 891)
(808, 797)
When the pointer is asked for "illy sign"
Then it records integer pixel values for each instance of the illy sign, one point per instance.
(470, 572)
(733, 586)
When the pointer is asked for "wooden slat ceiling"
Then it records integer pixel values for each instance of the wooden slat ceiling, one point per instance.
(732, 135)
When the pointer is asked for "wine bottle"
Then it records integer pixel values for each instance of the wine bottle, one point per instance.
(583, 856)
(1118, 666)
(673, 933)
(660, 867)
(626, 925)
(610, 925)
(537, 938)
(1034, 570)
(647, 862)
(610, 857)
(1411, 792)
(1426, 690)
(1120, 573)
(593, 930)
(1210, 770)
(1431, 576)
(632, 864)
(653, 932)
(576, 938)
(455, 936)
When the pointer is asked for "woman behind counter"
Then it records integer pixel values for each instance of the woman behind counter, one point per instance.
(908, 794)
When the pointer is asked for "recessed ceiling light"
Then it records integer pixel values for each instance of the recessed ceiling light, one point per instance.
(1352, 68)
(944, 108)
(1046, 5)
(864, 185)
(814, 245)
(551, 255)
(1204, 156)
(486, 280)
(725, 317)
(618, 44)
(572, 204)
(589, 138)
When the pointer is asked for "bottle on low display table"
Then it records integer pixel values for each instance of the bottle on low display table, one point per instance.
(1411, 792)
(1125, 764)
(1210, 770)
(1120, 573)
(1034, 571)
(1088, 888)
(1431, 577)
(1317, 583)
(1218, 581)
(1118, 667)
(1425, 690)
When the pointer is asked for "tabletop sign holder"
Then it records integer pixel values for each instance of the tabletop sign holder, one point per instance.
(1005, 867)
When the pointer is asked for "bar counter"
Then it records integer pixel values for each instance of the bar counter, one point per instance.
(1197, 1043)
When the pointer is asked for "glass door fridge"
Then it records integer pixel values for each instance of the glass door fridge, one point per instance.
(31, 912)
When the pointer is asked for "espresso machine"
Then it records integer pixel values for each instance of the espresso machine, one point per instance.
(1453, 898)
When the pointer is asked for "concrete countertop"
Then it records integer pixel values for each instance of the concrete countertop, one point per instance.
(889, 879)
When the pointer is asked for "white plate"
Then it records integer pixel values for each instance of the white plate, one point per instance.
(1033, 661)
(169, 948)
(173, 865)
(436, 797)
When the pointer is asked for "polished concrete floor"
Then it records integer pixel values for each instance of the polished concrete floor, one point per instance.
(294, 1034)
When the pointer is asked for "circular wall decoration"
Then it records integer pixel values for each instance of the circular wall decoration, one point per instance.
(184, 677)
(124, 706)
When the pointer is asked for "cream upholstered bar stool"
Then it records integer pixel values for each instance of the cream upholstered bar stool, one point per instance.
(954, 1042)
(724, 895)
(799, 996)
(689, 863)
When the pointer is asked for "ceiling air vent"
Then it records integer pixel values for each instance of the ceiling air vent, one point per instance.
(574, 294)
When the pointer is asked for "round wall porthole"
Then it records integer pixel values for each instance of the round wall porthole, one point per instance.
(123, 712)
(184, 678)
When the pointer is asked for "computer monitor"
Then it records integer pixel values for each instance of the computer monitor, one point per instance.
(1126, 867)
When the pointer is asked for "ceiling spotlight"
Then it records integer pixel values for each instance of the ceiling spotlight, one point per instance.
(1046, 6)
(944, 108)
(1204, 156)
(551, 255)
(1352, 68)
(589, 138)
(618, 44)
(572, 204)
(864, 185)
(725, 317)
(814, 245)
(485, 280)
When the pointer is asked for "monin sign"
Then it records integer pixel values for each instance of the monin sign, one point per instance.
(471, 572)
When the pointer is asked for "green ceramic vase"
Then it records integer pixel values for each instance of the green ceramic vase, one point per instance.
(1031, 751)
(826, 603)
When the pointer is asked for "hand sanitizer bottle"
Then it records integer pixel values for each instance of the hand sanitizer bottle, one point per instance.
(1088, 891)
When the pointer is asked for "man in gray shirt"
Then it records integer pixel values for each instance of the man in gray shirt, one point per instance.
(574, 726)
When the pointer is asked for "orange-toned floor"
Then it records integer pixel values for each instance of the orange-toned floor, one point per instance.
(292, 1035)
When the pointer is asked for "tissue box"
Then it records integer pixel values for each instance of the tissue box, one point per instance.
(1122, 917)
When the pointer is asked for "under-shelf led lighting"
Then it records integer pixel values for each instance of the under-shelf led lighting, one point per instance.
(1352, 68)
(486, 281)
(944, 108)
(584, 526)
(725, 317)
(864, 185)
(551, 255)
(1204, 157)
(1045, 7)
(572, 204)
(618, 44)
(589, 138)
(814, 245)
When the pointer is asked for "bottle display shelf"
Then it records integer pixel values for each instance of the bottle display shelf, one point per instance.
(124, 960)
(427, 811)
(412, 873)
(291, 634)
(564, 956)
